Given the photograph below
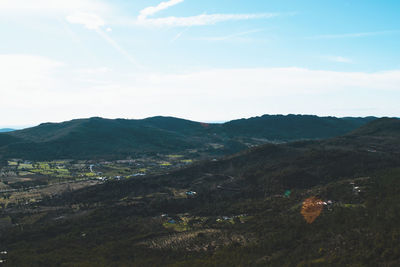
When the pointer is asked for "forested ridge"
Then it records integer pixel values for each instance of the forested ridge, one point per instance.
(248, 211)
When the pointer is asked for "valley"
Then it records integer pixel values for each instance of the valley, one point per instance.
(30, 181)
(178, 133)
(325, 202)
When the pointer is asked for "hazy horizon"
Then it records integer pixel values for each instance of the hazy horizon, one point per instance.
(21, 127)
(202, 60)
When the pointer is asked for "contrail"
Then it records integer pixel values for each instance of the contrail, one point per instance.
(117, 47)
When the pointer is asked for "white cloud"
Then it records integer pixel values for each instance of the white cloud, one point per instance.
(33, 90)
(149, 11)
(199, 20)
(94, 22)
(26, 78)
(23, 71)
(264, 82)
(202, 20)
(90, 21)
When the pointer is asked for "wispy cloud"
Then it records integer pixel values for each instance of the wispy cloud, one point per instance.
(227, 37)
(118, 48)
(353, 35)
(149, 11)
(179, 35)
(198, 20)
(94, 22)
(203, 20)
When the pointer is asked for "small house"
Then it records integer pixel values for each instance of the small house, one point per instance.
(191, 193)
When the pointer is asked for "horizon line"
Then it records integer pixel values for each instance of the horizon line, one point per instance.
(21, 127)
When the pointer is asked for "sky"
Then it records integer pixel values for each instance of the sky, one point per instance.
(208, 60)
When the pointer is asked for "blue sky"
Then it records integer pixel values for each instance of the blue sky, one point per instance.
(202, 60)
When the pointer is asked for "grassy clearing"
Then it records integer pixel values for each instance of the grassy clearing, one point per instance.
(181, 193)
(89, 174)
(178, 226)
(244, 218)
(23, 166)
(60, 162)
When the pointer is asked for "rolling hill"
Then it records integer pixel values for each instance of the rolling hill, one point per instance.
(247, 212)
(272, 168)
(96, 138)
(293, 127)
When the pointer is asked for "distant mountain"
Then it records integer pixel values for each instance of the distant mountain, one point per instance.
(293, 127)
(96, 138)
(272, 168)
(5, 130)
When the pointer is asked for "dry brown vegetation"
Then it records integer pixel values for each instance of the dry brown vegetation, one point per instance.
(199, 240)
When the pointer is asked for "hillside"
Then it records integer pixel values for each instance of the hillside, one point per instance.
(386, 127)
(271, 168)
(248, 211)
(93, 138)
(293, 127)
(97, 138)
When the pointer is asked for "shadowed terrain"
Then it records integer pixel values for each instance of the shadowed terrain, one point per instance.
(98, 138)
(247, 211)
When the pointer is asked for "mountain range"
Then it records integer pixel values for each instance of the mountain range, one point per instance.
(96, 138)
(248, 210)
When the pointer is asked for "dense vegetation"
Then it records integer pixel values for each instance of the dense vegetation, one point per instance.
(96, 138)
(246, 211)
(293, 127)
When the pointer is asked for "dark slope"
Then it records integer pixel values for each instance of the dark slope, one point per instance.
(6, 139)
(293, 127)
(375, 137)
(104, 138)
(271, 169)
(95, 138)
(172, 124)
(379, 128)
(52, 131)
(118, 223)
